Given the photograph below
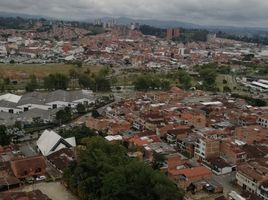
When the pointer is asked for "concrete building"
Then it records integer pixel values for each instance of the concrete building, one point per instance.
(173, 33)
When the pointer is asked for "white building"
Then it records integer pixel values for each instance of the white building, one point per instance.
(50, 142)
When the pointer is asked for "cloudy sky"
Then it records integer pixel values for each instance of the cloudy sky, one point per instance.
(204, 12)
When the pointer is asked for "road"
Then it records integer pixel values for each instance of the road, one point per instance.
(227, 182)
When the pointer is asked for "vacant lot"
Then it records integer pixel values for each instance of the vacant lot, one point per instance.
(23, 71)
(53, 190)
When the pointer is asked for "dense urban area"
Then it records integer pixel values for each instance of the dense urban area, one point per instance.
(106, 111)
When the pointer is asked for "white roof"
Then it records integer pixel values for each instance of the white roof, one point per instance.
(112, 138)
(49, 139)
(10, 97)
(212, 103)
(260, 84)
(71, 141)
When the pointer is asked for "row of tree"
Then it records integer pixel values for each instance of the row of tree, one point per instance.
(105, 172)
(95, 82)
(151, 82)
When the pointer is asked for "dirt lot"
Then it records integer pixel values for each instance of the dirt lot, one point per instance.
(54, 190)
(23, 71)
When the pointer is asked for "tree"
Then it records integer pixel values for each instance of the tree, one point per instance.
(151, 82)
(32, 85)
(158, 160)
(4, 137)
(86, 81)
(105, 172)
(56, 81)
(102, 84)
(95, 113)
(227, 89)
(208, 76)
(185, 80)
(81, 109)
(64, 115)
(79, 132)
(137, 180)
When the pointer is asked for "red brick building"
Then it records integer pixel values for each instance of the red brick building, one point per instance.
(31, 166)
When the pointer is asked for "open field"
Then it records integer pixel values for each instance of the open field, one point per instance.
(23, 71)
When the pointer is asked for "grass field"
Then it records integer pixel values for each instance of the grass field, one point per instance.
(23, 71)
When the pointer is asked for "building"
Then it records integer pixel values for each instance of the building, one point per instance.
(28, 167)
(207, 148)
(262, 120)
(173, 33)
(251, 175)
(232, 152)
(185, 177)
(45, 101)
(250, 134)
(50, 142)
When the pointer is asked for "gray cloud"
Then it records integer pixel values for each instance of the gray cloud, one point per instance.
(205, 12)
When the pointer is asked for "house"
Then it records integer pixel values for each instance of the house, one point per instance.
(8, 183)
(179, 133)
(207, 148)
(185, 177)
(262, 120)
(218, 166)
(50, 142)
(250, 134)
(251, 175)
(27, 167)
(194, 118)
(232, 151)
(61, 159)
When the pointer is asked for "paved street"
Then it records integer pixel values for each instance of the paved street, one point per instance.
(227, 182)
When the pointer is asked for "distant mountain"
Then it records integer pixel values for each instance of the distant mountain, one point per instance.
(151, 22)
(248, 31)
(25, 16)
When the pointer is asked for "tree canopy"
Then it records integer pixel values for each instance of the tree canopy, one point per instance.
(56, 82)
(105, 172)
(4, 137)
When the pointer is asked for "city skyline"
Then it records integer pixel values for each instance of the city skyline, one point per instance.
(247, 13)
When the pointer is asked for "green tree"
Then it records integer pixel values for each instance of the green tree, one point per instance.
(4, 137)
(158, 160)
(185, 80)
(208, 76)
(86, 81)
(32, 85)
(79, 132)
(137, 181)
(81, 109)
(105, 172)
(64, 115)
(56, 81)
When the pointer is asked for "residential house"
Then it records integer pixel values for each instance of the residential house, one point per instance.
(28, 167)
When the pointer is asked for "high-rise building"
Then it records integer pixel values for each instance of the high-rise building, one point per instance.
(173, 33)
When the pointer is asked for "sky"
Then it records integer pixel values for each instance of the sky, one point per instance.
(248, 13)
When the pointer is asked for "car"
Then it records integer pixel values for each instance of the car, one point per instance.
(40, 178)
